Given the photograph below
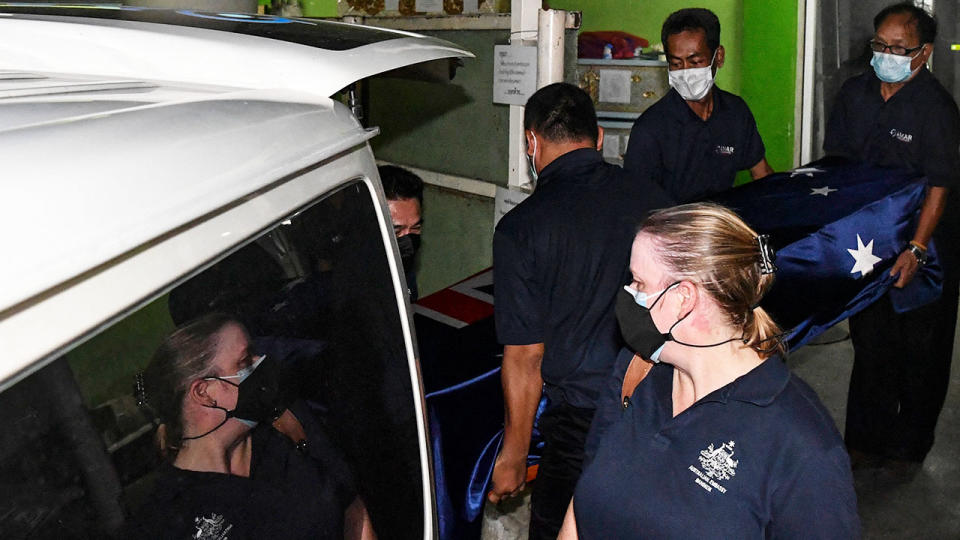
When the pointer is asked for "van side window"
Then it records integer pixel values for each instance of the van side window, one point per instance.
(313, 294)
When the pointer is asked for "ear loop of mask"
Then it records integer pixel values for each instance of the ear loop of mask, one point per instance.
(912, 58)
(713, 59)
(532, 162)
(669, 332)
(214, 406)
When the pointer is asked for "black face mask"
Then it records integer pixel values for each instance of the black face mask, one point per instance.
(641, 333)
(408, 244)
(638, 328)
(261, 397)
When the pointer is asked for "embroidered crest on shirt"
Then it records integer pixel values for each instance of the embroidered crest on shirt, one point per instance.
(718, 465)
(211, 528)
(724, 150)
(901, 136)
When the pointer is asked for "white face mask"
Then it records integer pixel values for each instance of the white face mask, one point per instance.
(531, 160)
(245, 372)
(893, 68)
(642, 298)
(693, 83)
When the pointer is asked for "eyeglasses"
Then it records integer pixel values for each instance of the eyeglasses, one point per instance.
(879, 46)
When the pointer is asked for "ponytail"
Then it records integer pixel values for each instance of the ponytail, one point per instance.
(711, 246)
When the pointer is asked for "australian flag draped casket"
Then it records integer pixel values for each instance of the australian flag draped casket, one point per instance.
(837, 228)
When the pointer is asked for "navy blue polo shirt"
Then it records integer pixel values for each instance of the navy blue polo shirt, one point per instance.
(757, 458)
(916, 129)
(692, 158)
(559, 259)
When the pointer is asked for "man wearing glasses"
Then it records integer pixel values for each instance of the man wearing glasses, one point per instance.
(898, 115)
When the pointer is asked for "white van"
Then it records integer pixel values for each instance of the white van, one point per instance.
(157, 166)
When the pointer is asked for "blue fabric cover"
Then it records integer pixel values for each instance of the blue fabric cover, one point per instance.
(812, 233)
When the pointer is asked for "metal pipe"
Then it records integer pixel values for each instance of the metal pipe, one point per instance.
(523, 31)
(550, 46)
(809, 72)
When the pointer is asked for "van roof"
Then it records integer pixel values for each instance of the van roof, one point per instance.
(99, 156)
(220, 49)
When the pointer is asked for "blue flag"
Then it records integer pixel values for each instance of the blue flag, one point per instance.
(837, 228)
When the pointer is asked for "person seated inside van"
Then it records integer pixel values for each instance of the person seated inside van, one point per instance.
(244, 458)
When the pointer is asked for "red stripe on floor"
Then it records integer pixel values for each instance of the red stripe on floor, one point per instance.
(459, 306)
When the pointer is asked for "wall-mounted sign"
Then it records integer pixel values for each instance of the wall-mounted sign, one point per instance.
(507, 200)
(514, 73)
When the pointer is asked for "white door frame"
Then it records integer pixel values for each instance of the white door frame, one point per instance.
(806, 75)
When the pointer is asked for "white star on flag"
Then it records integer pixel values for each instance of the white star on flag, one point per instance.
(864, 257)
(809, 171)
(825, 190)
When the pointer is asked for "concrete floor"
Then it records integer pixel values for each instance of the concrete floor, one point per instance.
(925, 505)
(892, 505)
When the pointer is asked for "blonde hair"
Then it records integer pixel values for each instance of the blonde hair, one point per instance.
(711, 246)
(187, 354)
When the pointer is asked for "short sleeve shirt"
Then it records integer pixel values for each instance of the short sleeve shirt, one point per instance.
(689, 157)
(559, 259)
(918, 129)
(757, 458)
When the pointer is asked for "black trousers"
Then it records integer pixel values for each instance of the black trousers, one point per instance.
(901, 371)
(564, 430)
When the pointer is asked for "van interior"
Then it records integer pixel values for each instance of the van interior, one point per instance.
(315, 290)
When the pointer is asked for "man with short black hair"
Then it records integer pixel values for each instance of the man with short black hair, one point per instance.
(694, 140)
(560, 257)
(898, 115)
(404, 193)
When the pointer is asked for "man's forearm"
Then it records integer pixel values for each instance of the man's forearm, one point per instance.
(761, 170)
(522, 387)
(930, 214)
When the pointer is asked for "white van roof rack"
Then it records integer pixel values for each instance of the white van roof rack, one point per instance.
(45, 88)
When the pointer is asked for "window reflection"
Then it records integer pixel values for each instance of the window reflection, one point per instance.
(314, 295)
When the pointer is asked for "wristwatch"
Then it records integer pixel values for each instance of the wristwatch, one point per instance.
(920, 254)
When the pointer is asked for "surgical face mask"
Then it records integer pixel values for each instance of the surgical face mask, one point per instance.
(408, 244)
(243, 373)
(639, 329)
(893, 68)
(531, 160)
(693, 83)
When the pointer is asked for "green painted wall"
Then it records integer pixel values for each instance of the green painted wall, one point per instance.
(455, 129)
(105, 366)
(769, 76)
(451, 128)
(457, 238)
